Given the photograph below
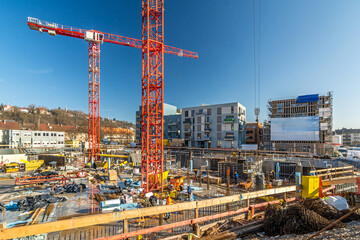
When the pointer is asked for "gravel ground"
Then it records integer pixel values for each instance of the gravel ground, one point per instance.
(351, 231)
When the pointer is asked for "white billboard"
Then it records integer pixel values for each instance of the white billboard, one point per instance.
(295, 129)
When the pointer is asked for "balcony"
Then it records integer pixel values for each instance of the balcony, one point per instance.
(207, 129)
(172, 124)
(205, 138)
(187, 121)
(187, 130)
(229, 136)
(229, 120)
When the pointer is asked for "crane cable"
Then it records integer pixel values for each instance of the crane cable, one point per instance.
(256, 63)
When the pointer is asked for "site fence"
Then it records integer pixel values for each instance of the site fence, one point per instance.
(149, 222)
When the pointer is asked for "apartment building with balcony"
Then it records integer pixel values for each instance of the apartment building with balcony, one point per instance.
(214, 126)
(254, 133)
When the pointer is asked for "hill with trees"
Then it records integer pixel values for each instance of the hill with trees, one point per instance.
(30, 117)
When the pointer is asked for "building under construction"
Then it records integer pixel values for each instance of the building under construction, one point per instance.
(302, 124)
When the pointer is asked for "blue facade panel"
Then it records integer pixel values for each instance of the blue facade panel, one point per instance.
(307, 98)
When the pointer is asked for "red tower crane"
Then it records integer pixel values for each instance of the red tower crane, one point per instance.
(153, 49)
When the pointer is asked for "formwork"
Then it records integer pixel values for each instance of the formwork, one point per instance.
(234, 167)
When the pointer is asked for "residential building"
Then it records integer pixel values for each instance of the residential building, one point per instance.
(44, 111)
(302, 124)
(214, 126)
(253, 133)
(172, 126)
(29, 139)
(24, 110)
(8, 108)
(168, 110)
(350, 137)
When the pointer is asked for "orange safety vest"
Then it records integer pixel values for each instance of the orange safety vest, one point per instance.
(169, 201)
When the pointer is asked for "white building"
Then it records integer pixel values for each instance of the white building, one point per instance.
(32, 139)
(8, 108)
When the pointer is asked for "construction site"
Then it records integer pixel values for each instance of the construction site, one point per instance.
(196, 188)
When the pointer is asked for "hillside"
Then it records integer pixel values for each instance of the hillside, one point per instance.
(30, 117)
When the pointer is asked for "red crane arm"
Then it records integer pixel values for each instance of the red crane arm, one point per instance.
(54, 28)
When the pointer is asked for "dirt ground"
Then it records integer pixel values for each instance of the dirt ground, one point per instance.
(350, 232)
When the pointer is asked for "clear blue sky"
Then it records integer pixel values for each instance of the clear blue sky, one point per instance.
(306, 47)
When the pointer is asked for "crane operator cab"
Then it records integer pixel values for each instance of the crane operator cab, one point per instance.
(92, 36)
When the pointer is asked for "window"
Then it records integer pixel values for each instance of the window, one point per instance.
(209, 111)
(201, 111)
(186, 113)
(219, 143)
(199, 136)
(192, 113)
(219, 127)
(44, 134)
(199, 128)
(199, 120)
(219, 135)
(232, 126)
(54, 134)
(219, 110)
(219, 119)
(232, 109)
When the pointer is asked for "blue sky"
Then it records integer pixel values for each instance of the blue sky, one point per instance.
(306, 47)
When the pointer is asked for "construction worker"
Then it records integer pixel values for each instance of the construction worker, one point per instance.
(169, 201)
(272, 175)
(153, 200)
(236, 177)
(189, 191)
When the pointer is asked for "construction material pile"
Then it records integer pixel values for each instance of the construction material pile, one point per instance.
(32, 203)
(327, 211)
(69, 188)
(296, 219)
(47, 173)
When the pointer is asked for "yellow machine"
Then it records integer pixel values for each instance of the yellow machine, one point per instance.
(11, 167)
(310, 186)
(23, 166)
(177, 182)
(32, 165)
(165, 176)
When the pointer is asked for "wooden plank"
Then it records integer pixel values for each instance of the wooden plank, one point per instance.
(96, 219)
(331, 169)
(339, 181)
(334, 173)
